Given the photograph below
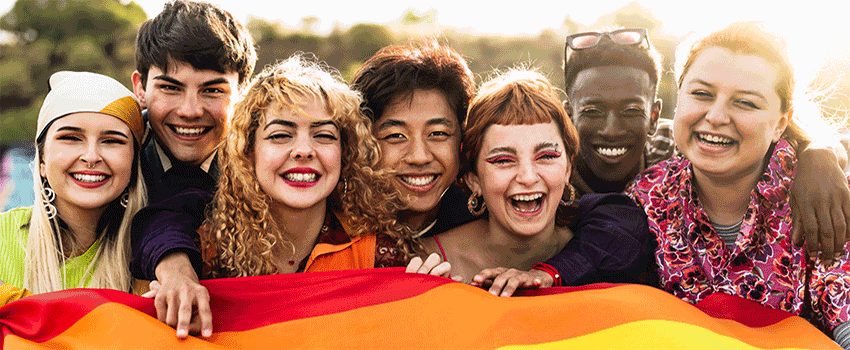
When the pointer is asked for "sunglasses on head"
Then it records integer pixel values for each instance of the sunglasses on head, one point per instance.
(586, 40)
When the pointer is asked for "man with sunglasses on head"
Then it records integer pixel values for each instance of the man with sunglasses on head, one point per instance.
(611, 80)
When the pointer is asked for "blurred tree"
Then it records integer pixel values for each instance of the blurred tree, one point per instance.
(364, 40)
(54, 35)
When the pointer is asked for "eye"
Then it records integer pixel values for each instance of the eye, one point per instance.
(591, 112)
(68, 137)
(394, 137)
(633, 112)
(747, 103)
(169, 87)
(500, 160)
(213, 91)
(326, 136)
(702, 94)
(548, 155)
(279, 137)
(115, 141)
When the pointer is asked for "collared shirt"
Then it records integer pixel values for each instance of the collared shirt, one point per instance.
(166, 161)
(763, 265)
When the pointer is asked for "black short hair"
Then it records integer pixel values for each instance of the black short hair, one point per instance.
(198, 33)
(395, 72)
(608, 53)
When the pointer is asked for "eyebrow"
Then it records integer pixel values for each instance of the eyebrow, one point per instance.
(435, 121)
(289, 124)
(538, 148)
(106, 132)
(440, 121)
(390, 123)
(171, 80)
(747, 92)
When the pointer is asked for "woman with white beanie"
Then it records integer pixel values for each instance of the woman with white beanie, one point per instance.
(87, 186)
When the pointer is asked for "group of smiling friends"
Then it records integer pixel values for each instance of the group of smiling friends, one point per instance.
(203, 171)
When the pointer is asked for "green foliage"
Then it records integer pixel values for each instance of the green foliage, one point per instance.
(54, 35)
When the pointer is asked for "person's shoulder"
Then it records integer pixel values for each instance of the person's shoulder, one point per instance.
(16, 215)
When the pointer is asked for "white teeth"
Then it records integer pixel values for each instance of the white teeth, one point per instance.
(715, 138)
(612, 152)
(526, 197)
(419, 180)
(189, 131)
(300, 177)
(89, 178)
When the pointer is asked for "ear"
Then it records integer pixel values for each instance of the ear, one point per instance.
(473, 182)
(568, 107)
(782, 125)
(41, 170)
(654, 114)
(139, 88)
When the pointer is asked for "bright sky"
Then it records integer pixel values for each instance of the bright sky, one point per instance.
(820, 24)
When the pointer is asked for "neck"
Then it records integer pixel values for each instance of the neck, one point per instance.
(301, 227)
(82, 224)
(595, 184)
(418, 220)
(509, 249)
(725, 198)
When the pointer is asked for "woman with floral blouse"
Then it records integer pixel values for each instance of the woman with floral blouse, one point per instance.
(720, 210)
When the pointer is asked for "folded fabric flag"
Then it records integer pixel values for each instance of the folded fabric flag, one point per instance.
(389, 309)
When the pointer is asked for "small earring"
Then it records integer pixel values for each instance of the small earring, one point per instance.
(125, 199)
(472, 203)
(572, 196)
(47, 198)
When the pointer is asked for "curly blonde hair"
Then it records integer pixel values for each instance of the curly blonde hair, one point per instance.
(240, 225)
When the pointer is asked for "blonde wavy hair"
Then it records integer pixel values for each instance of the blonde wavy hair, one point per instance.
(45, 251)
(240, 226)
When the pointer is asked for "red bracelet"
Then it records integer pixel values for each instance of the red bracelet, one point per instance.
(556, 277)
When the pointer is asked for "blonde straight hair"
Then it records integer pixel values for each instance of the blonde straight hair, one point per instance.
(45, 254)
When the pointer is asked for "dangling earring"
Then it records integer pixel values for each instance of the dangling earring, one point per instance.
(572, 196)
(47, 197)
(472, 203)
(344, 186)
(125, 199)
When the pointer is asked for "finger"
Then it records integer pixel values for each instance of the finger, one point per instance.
(839, 225)
(205, 313)
(160, 301)
(429, 264)
(457, 278)
(511, 286)
(499, 283)
(487, 274)
(810, 232)
(184, 315)
(796, 228)
(413, 265)
(149, 294)
(827, 237)
(443, 269)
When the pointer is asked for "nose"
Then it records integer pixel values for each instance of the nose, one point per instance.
(717, 113)
(611, 127)
(419, 153)
(527, 174)
(303, 149)
(91, 155)
(191, 106)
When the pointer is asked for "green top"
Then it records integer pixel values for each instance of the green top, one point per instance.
(13, 239)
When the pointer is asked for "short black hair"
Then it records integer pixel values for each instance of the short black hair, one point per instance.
(397, 71)
(198, 33)
(608, 53)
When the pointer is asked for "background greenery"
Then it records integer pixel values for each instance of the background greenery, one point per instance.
(45, 36)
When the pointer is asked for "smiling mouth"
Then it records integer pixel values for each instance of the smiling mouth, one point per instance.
(301, 177)
(715, 140)
(89, 178)
(419, 181)
(527, 203)
(612, 151)
(189, 132)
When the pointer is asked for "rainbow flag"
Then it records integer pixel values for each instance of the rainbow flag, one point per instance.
(388, 309)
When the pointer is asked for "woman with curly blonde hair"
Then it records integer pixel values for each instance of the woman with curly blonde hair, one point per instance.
(297, 170)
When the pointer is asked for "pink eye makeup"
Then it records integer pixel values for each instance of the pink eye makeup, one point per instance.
(548, 155)
(500, 159)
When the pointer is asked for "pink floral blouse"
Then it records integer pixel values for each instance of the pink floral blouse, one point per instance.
(763, 265)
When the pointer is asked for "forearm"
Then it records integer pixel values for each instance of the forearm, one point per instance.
(175, 264)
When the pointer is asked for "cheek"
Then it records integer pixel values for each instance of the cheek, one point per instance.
(390, 155)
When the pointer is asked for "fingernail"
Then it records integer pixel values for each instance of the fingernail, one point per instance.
(207, 333)
(182, 333)
(505, 294)
(494, 293)
(537, 281)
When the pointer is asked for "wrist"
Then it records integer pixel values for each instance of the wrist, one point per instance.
(175, 263)
(550, 271)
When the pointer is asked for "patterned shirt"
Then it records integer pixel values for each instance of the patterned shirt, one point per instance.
(763, 265)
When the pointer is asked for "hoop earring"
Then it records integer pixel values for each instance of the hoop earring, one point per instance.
(125, 199)
(472, 203)
(572, 196)
(47, 198)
